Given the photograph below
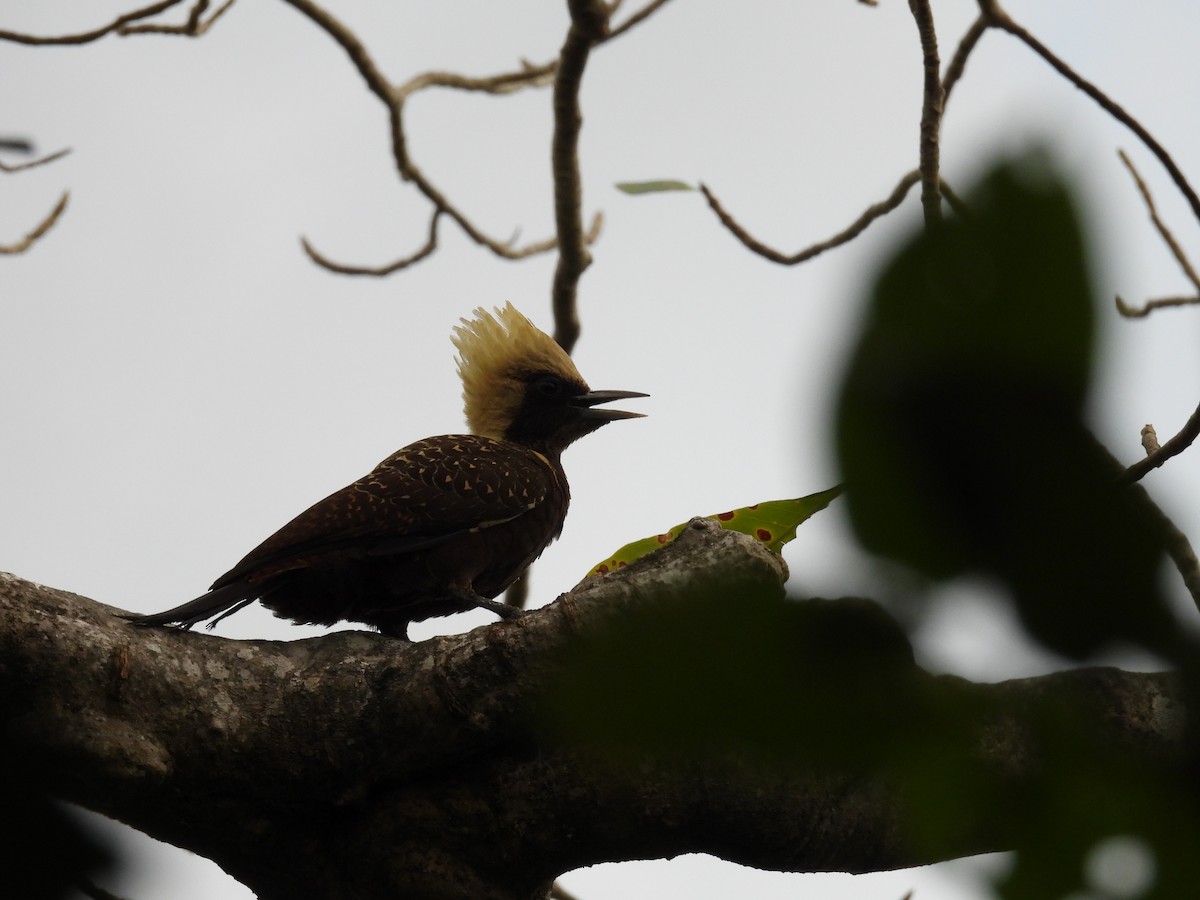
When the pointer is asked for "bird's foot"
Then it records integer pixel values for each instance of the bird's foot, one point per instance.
(503, 610)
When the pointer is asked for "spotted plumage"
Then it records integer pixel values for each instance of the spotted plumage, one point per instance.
(443, 524)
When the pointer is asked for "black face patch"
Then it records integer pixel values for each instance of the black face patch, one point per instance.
(546, 415)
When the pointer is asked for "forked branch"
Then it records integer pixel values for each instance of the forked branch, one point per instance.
(998, 18)
(1176, 251)
(126, 24)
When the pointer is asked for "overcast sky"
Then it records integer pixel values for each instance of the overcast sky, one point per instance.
(179, 379)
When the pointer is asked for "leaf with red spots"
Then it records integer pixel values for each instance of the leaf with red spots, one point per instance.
(773, 522)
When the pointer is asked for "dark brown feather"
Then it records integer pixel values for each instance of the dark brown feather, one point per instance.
(446, 523)
(455, 511)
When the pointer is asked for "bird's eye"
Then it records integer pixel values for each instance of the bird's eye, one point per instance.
(549, 387)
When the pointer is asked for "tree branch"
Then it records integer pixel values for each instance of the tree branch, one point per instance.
(354, 765)
(589, 23)
(859, 225)
(86, 37)
(387, 269)
(958, 63)
(1176, 445)
(998, 18)
(45, 225)
(33, 164)
(195, 26)
(931, 112)
(1169, 239)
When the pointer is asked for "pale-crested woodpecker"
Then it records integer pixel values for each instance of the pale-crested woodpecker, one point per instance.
(444, 524)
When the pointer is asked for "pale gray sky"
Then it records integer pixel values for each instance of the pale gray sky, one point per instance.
(179, 380)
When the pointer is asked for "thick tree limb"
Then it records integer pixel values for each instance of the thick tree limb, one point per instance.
(353, 765)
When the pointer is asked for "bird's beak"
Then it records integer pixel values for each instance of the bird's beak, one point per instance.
(593, 398)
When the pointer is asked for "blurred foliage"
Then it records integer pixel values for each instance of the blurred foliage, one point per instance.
(960, 426)
(961, 435)
(773, 522)
(712, 674)
(962, 438)
(47, 853)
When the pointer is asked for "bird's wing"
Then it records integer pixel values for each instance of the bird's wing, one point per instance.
(422, 496)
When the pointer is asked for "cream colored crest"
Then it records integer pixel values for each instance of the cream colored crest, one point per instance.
(495, 354)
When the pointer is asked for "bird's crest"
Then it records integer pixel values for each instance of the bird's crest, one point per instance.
(495, 353)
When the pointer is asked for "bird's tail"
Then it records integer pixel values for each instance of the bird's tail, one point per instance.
(221, 602)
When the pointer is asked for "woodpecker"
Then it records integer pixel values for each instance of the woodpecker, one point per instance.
(442, 525)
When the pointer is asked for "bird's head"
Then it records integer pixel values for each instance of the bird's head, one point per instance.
(519, 385)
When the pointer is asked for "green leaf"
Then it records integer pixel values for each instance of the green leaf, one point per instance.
(653, 187)
(773, 522)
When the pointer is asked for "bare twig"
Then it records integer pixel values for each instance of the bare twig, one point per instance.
(195, 26)
(859, 225)
(387, 269)
(589, 23)
(46, 224)
(1179, 548)
(86, 37)
(931, 112)
(1173, 447)
(1140, 312)
(1149, 439)
(394, 97)
(589, 18)
(641, 15)
(348, 41)
(1000, 19)
(958, 62)
(528, 76)
(1176, 250)
(20, 167)
(1175, 542)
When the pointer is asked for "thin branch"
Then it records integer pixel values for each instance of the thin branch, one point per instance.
(1140, 312)
(393, 98)
(349, 42)
(637, 18)
(1179, 548)
(1163, 230)
(1001, 19)
(931, 112)
(195, 26)
(1175, 542)
(589, 23)
(958, 63)
(954, 201)
(1149, 439)
(86, 37)
(528, 76)
(1173, 447)
(859, 225)
(46, 224)
(1176, 250)
(20, 167)
(387, 269)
